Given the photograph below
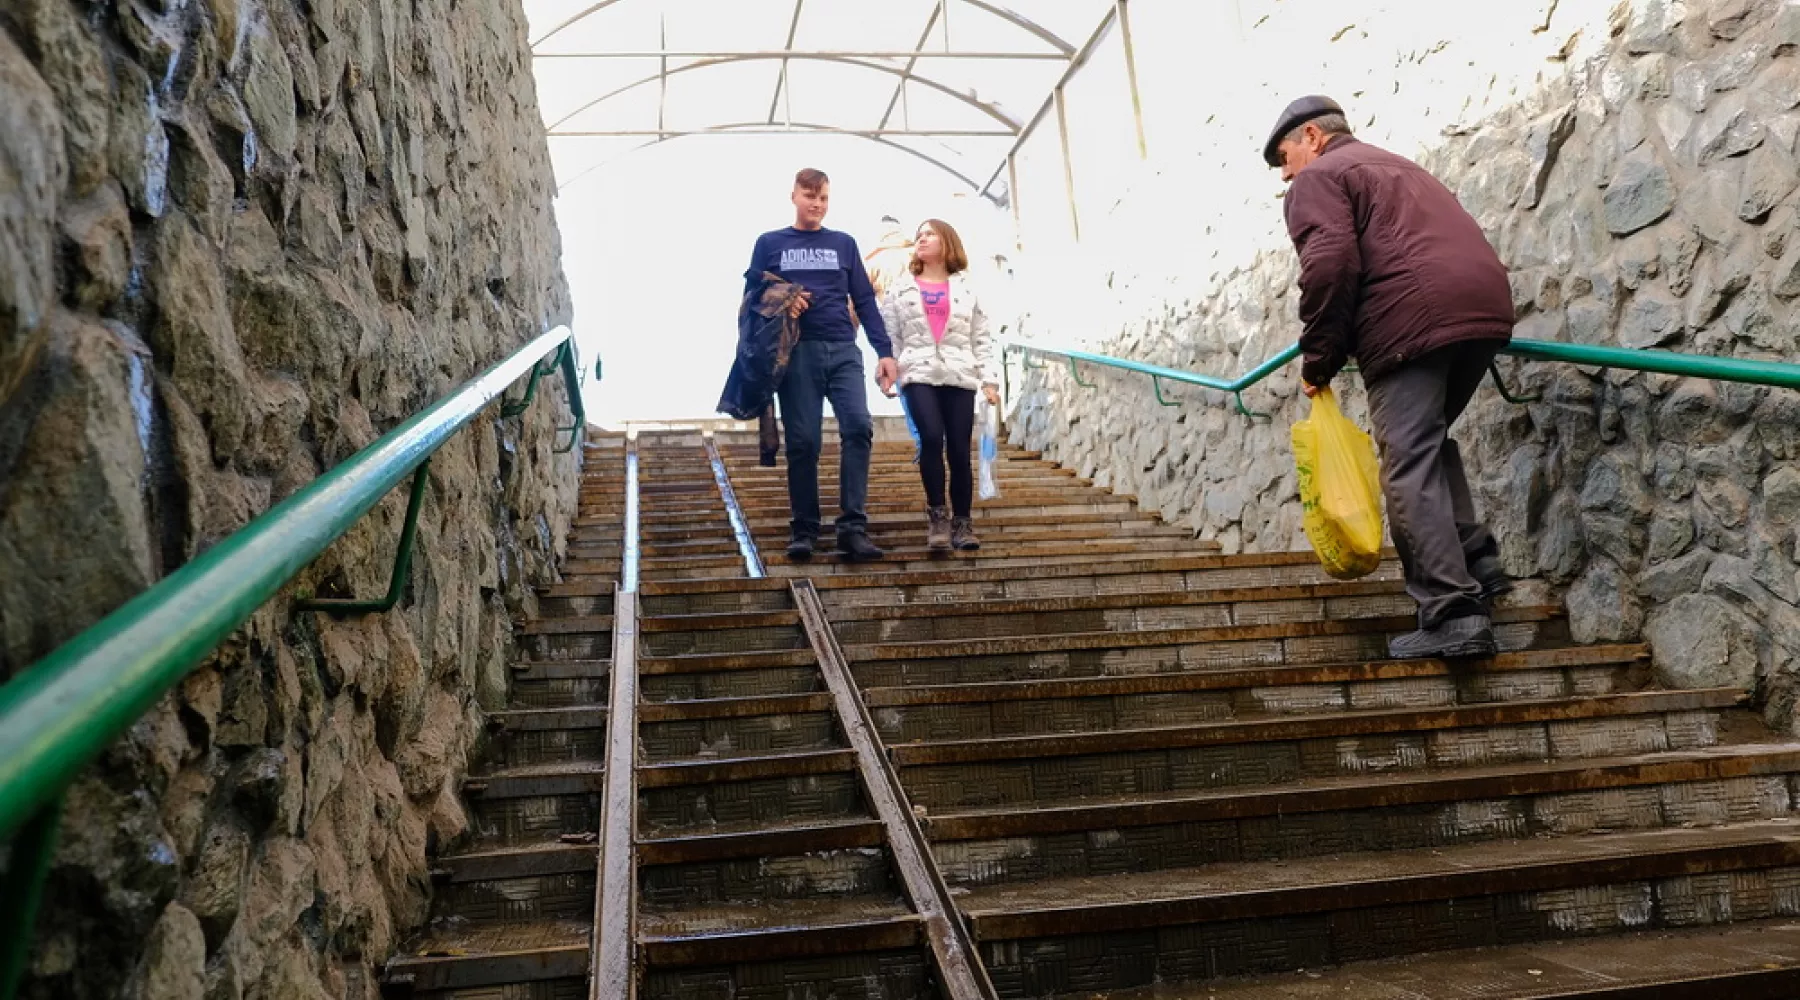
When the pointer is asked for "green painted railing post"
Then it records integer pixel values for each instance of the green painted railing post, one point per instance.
(409, 533)
(537, 372)
(1505, 393)
(1156, 384)
(572, 378)
(21, 890)
(1075, 373)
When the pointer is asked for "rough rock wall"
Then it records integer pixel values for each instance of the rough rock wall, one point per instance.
(239, 239)
(1644, 198)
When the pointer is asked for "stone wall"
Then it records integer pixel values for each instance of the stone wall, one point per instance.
(239, 239)
(1643, 197)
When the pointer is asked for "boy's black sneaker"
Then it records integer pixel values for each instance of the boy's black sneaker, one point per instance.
(856, 547)
(800, 548)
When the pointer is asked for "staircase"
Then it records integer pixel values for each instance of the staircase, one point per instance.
(513, 908)
(1095, 757)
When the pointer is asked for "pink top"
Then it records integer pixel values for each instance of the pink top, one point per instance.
(936, 297)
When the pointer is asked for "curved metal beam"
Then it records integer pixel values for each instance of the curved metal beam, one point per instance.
(1003, 13)
(973, 184)
(984, 107)
(1020, 21)
(599, 6)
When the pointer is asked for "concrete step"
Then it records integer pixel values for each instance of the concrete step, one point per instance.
(549, 735)
(1755, 960)
(709, 729)
(1337, 908)
(467, 956)
(1366, 812)
(699, 797)
(1030, 707)
(862, 932)
(1157, 650)
(1266, 750)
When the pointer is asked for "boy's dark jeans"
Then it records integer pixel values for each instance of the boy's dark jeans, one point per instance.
(821, 370)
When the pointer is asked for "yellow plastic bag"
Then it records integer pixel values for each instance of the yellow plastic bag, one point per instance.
(1340, 489)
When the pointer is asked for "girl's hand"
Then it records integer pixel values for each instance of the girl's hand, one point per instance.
(992, 392)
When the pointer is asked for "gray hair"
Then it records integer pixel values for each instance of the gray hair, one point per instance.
(1332, 124)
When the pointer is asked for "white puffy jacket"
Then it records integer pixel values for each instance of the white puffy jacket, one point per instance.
(964, 358)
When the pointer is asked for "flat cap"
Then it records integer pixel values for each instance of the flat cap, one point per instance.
(1295, 115)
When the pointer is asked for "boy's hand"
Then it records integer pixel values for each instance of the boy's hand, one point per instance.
(887, 372)
(798, 304)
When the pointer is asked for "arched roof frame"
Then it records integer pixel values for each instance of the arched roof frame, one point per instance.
(1068, 57)
(1004, 13)
(810, 127)
(1012, 124)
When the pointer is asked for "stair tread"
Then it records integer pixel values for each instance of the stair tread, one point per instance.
(755, 827)
(1264, 727)
(559, 669)
(542, 770)
(770, 915)
(1305, 884)
(473, 941)
(1133, 601)
(1348, 792)
(1179, 636)
(519, 860)
(1741, 955)
(1348, 672)
(550, 712)
(567, 625)
(948, 573)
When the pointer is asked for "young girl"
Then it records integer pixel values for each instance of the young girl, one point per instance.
(945, 351)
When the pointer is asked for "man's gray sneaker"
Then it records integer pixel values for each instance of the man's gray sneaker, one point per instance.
(800, 547)
(1456, 639)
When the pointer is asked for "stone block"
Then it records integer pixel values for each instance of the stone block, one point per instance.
(1698, 640)
(1652, 319)
(1601, 606)
(1665, 581)
(1769, 177)
(1640, 194)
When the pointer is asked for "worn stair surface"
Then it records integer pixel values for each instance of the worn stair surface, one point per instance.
(1099, 757)
(513, 906)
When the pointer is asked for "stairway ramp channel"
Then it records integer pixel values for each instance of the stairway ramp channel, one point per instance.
(1094, 757)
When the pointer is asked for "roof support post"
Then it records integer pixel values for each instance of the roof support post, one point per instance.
(900, 88)
(1137, 107)
(781, 84)
(1062, 133)
(1012, 198)
(662, 97)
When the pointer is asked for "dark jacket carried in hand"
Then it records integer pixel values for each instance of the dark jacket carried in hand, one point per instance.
(1391, 266)
(766, 339)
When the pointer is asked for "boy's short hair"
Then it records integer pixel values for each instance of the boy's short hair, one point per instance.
(809, 179)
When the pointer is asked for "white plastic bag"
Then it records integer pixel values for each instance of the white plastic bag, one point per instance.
(988, 417)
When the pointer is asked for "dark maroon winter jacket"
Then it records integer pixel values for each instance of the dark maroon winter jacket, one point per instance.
(1391, 266)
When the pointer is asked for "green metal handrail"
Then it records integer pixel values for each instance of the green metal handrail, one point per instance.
(1771, 373)
(63, 711)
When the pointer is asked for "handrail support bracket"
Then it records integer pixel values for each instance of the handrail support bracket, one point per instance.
(409, 532)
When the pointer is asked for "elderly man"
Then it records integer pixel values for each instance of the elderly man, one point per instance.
(1394, 273)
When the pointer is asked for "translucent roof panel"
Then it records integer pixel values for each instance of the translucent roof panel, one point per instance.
(953, 82)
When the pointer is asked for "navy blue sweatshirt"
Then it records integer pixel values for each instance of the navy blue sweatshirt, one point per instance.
(827, 263)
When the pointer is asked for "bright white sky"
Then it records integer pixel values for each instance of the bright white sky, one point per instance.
(656, 235)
